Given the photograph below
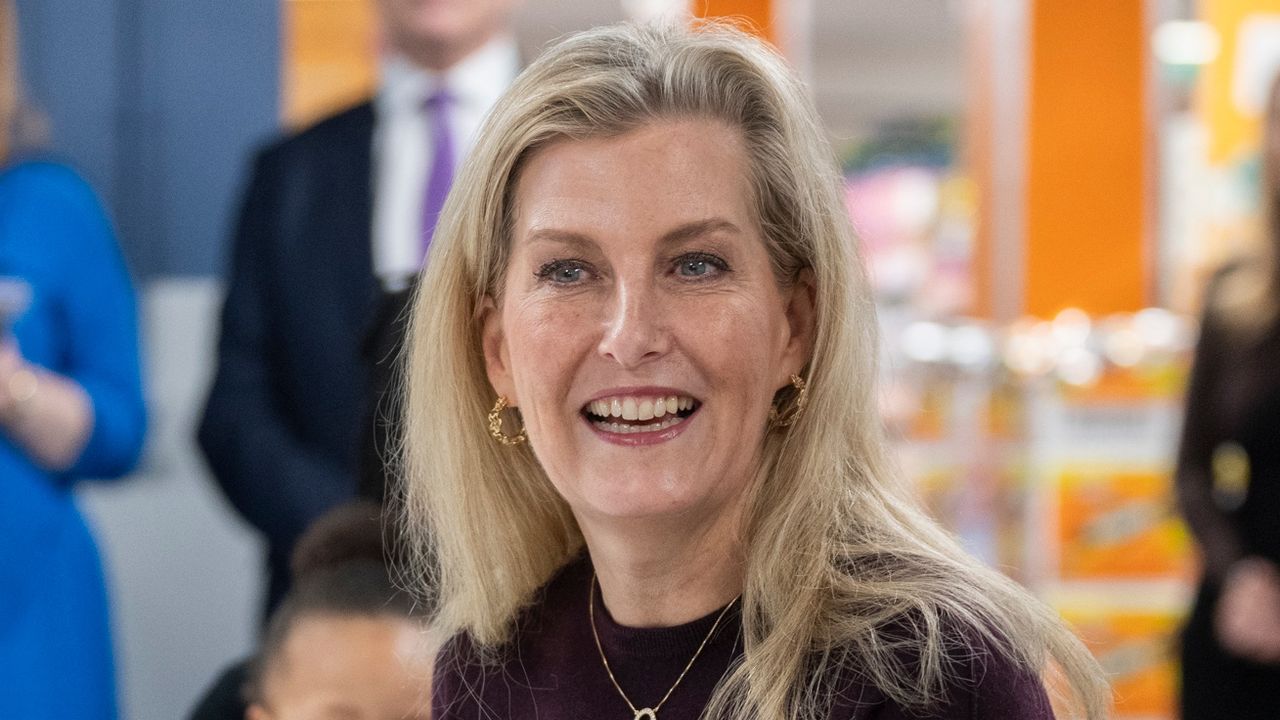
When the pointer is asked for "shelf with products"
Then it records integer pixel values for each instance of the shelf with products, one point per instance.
(1048, 447)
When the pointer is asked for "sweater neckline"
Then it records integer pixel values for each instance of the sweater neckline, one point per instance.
(673, 642)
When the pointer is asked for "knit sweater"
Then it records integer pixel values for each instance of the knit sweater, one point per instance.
(551, 670)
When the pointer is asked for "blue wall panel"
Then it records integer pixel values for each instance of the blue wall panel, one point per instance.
(159, 103)
(69, 65)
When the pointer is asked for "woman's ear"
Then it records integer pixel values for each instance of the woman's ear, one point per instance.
(801, 300)
(256, 712)
(497, 361)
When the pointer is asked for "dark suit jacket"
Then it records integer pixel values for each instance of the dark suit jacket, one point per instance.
(285, 416)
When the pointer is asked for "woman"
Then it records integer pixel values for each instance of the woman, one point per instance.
(1228, 477)
(70, 407)
(679, 504)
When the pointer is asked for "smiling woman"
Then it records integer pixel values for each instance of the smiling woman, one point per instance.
(637, 276)
(679, 505)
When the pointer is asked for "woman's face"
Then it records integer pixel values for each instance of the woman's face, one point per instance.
(641, 331)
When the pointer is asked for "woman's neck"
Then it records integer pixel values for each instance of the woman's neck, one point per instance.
(656, 575)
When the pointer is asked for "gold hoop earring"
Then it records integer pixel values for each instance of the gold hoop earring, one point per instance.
(495, 425)
(788, 417)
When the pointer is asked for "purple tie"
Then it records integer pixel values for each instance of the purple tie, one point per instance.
(441, 176)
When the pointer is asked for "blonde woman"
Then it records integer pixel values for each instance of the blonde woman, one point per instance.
(71, 407)
(1228, 477)
(643, 458)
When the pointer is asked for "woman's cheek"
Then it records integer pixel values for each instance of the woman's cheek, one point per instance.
(546, 341)
(739, 323)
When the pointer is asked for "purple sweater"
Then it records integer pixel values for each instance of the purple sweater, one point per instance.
(552, 671)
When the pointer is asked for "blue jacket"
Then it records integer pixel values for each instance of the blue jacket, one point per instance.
(55, 644)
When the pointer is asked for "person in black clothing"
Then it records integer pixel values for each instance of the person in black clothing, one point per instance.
(1228, 478)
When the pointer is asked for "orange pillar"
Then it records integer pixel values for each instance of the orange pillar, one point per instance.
(1059, 143)
(1087, 158)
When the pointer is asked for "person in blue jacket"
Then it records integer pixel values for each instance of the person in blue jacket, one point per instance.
(71, 407)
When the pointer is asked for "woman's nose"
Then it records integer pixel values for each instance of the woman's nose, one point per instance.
(635, 327)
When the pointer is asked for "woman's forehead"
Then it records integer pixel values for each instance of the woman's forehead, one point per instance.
(679, 172)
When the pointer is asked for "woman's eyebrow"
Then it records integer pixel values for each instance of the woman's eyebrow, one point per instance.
(682, 233)
(698, 228)
(561, 237)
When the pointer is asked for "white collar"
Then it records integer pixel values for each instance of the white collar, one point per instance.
(477, 80)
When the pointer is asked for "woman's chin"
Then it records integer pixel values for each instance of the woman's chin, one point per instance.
(639, 502)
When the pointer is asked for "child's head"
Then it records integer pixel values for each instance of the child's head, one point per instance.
(345, 644)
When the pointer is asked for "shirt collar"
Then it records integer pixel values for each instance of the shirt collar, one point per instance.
(478, 79)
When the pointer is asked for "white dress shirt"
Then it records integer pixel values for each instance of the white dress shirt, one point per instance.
(402, 147)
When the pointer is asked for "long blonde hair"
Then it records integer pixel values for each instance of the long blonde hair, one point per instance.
(837, 551)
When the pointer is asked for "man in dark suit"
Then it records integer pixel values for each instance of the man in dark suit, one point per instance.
(332, 229)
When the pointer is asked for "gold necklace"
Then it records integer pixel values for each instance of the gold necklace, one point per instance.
(643, 713)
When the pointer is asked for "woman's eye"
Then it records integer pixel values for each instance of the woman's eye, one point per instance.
(694, 268)
(566, 274)
(700, 266)
(562, 272)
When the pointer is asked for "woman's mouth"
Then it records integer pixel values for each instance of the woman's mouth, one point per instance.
(632, 414)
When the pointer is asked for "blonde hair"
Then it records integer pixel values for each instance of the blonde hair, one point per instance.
(843, 570)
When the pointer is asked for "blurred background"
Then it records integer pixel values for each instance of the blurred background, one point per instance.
(1042, 188)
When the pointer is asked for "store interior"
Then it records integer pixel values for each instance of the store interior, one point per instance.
(1042, 190)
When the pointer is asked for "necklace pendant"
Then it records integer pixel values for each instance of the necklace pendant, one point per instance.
(646, 713)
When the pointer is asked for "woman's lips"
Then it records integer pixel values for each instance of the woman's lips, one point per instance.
(649, 434)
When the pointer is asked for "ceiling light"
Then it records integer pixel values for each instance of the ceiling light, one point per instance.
(1186, 42)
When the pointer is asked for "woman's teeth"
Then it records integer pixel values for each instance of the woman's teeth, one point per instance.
(640, 408)
(627, 414)
(624, 428)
